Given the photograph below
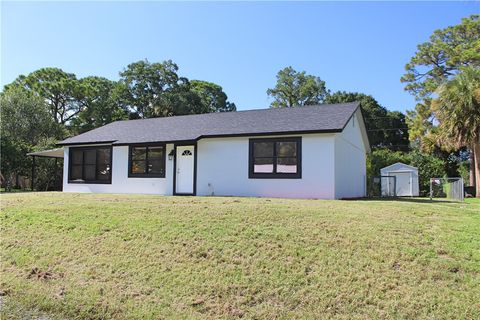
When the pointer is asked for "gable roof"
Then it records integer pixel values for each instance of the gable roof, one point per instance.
(398, 165)
(308, 119)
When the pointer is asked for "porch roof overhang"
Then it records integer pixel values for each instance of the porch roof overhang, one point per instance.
(51, 153)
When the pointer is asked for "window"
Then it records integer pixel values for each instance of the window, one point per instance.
(147, 161)
(275, 158)
(187, 153)
(90, 165)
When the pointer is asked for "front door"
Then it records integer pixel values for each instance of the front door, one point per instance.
(185, 170)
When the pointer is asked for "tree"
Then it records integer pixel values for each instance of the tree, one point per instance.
(156, 90)
(25, 117)
(439, 59)
(436, 62)
(212, 96)
(295, 88)
(428, 166)
(26, 122)
(420, 126)
(148, 85)
(101, 103)
(59, 89)
(396, 131)
(457, 110)
(181, 101)
(385, 128)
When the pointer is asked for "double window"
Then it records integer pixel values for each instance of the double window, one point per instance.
(275, 158)
(90, 165)
(147, 161)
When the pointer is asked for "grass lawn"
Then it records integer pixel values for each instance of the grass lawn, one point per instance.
(2, 190)
(87, 256)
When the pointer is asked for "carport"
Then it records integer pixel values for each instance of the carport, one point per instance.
(51, 153)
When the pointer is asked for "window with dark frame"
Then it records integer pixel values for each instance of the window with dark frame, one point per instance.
(275, 158)
(147, 161)
(90, 165)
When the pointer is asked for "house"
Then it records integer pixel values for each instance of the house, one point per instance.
(306, 152)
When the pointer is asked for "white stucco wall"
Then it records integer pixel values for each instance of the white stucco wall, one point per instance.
(222, 170)
(121, 183)
(333, 166)
(350, 161)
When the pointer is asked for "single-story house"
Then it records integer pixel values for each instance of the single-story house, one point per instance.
(305, 152)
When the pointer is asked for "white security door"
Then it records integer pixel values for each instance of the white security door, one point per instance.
(403, 184)
(185, 169)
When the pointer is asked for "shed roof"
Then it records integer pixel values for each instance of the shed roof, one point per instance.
(309, 119)
(398, 165)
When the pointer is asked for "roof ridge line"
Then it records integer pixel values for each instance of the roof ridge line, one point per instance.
(243, 111)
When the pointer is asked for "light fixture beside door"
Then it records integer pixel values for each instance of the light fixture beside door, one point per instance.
(171, 155)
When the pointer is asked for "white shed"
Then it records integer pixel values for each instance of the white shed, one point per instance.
(405, 182)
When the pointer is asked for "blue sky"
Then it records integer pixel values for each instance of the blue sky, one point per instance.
(353, 46)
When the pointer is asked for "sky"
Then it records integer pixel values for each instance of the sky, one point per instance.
(352, 46)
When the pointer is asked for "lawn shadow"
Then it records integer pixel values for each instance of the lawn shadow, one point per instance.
(3, 191)
(406, 199)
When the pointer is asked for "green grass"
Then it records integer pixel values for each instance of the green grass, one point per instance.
(2, 190)
(86, 256)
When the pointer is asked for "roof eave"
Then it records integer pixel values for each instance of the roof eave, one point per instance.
(66, 144)
(276, 133)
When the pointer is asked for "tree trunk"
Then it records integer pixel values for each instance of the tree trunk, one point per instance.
(476, 152)
(472, 168)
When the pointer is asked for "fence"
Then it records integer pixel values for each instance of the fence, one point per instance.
(447, 188)
(383, 186)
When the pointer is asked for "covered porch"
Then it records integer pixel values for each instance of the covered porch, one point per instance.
(56, 167)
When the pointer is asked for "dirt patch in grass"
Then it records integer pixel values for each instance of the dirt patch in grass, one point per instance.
(35, 273)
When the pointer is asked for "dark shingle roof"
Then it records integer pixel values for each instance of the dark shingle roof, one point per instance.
(321, 118)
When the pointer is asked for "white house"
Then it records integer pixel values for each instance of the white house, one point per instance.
(304, 152)
(402, 180)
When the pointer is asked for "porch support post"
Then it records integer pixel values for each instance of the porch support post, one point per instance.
(33, 171)
(56, 169)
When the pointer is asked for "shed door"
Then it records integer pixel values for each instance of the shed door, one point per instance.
(403, 184)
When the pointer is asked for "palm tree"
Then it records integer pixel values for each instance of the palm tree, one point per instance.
(457, 110)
